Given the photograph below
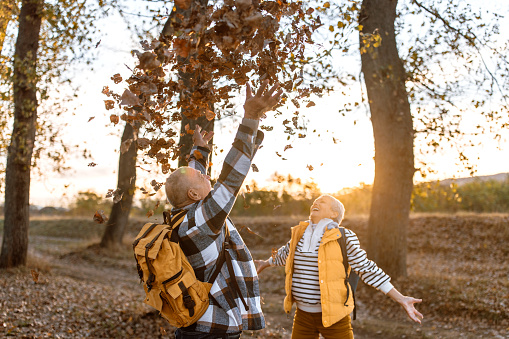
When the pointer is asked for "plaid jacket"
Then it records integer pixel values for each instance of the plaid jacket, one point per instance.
(202, 234)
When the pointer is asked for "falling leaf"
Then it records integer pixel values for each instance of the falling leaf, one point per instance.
(197, 155)
(128, 98)
(310, 104)
(143, 143)
(248, 189)
(250, 231)
(116, 78)
(276, 207)
(309, 167)
(273, 253)
(100, 217)
(287, 147)
(209, 114)
(35, 276)
(255, 169)
(109, 104)
(97, 44)
(182, 47)
(150, 213)
(183, 4)
(90, 119)
(117, 195)
(92, 164)
(124, 147)
(148, 61)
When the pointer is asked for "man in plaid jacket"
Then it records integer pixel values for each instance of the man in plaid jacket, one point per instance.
(203, 232)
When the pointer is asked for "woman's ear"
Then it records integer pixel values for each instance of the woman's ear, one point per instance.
(193, 194)
(334, 215)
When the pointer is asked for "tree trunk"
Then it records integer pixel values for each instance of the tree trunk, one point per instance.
(384, 76)
(115, 228)
(19, 154)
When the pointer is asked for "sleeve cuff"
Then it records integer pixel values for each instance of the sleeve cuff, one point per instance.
(252, 124)
(386, 287)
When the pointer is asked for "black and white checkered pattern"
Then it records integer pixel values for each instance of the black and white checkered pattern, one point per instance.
(202, 234)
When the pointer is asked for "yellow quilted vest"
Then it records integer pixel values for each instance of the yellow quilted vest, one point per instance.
(331, 274)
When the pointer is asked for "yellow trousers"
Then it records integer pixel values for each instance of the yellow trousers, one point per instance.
(309, 326)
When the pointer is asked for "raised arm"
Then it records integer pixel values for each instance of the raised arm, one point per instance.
(218, 204)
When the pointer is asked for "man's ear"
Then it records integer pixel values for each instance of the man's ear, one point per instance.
(193, 194)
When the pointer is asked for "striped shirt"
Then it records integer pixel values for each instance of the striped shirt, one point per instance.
(305, 285)
(202, 233)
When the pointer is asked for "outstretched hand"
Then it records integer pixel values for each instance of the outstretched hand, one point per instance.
(201, 138)
(261, 265)
(256, 106)
(408, 304)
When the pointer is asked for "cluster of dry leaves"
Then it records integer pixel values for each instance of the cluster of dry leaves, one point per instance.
(205, 52)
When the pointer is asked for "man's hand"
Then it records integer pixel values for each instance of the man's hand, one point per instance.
(261, 265)
(256, 106)
(201, 138)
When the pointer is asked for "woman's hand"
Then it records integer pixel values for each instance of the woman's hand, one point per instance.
(261, 265)
(408, 304)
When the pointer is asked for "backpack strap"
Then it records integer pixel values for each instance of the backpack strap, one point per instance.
(342, 244)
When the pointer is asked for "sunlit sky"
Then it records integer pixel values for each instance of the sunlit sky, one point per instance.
(340, 152)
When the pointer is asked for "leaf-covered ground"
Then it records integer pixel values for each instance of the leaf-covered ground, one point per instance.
(457, 264)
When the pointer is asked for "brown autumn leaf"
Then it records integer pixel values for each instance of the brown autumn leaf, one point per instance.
(287, 147)
(109, 104)
(114, 118)
(183, 4)
(116, 79)
(248, 189)
(273, 253)
(90, 119)
(124, 147)
(100, 217)
(148, 61)
(143, 143)
(310, 104)
(35, 276)
(182, 47)
(150, 213)
(309, 167)
(92, 164)
(254, 167)
(210, 115)
(106, 91)
(197, 155)
(128, 98)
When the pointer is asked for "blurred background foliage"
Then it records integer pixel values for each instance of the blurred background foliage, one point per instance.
(287, 196)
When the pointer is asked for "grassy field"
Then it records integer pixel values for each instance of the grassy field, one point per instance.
(456, 263)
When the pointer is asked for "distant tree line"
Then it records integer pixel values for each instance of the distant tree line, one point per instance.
(294, 197)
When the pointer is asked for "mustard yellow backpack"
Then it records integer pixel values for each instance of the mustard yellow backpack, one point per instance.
(170, 282)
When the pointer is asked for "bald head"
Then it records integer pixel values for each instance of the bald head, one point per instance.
(186, 185)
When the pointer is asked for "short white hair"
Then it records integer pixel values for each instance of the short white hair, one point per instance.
(336, 206)
(177, 185)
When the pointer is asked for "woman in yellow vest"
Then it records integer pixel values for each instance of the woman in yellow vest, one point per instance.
(315, 275)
